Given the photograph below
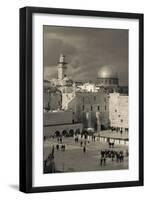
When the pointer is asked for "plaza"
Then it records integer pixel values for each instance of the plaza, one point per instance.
(74, 159)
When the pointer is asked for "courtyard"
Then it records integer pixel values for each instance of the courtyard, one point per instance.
(74, 159)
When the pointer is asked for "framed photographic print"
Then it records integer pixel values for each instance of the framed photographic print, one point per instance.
(81, 99)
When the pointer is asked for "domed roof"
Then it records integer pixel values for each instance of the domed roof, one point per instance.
(107, 71)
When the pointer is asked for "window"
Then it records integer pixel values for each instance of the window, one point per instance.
(121, 120)
(115, 110)
(98, 108)
(105, 107)
(94, 98)
(91, 108)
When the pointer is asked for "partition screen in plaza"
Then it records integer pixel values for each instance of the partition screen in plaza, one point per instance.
(85, 99)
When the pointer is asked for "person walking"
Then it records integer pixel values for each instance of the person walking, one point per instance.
(84, 149)
(57, 147)
(61, 140)
(94, 138)
(104, 159)
(101, 161)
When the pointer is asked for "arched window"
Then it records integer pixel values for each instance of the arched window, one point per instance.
(71, 132)
(98, 108)
(77, 131)
(64, 132)
(57, 133)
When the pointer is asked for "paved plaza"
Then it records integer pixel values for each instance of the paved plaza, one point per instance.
(73, 159)
(114, 134)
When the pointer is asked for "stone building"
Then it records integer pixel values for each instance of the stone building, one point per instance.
(107, 79)
(96, 105)
(88, 87)
(85, 105)
(60, 123)
(118, 111)
(52, 98)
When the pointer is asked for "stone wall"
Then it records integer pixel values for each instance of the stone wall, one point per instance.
(52, 99)
(51, 130)
(58, 117)
(86, 104)
(118, 111)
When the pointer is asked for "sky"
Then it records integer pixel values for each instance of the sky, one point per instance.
(89, 52)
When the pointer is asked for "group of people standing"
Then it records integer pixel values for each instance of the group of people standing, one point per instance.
(117, 156)
(60, 145)
(83, 142)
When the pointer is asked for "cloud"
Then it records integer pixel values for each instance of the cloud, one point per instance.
(86, 50)
(50, 72)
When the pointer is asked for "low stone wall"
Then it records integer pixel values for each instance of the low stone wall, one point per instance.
(50, 130)
(118, 141)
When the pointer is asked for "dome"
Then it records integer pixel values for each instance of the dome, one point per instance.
(107, 72)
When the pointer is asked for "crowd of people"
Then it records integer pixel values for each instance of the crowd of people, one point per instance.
(60, 147)
(117, 156)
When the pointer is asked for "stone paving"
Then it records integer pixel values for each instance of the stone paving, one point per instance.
(73, 159)
(114, 134)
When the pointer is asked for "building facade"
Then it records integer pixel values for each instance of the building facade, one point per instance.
(86, 105)
(52, 99)
(108, 81)
(60, 123)
(88, 87)
(118, 111)
(98, 105)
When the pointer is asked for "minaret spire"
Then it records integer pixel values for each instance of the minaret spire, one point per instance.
(62, 59)
(62, 67)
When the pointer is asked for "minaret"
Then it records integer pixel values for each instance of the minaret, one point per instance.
(62, 67)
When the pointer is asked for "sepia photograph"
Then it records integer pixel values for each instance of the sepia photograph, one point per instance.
(81, 99)
(85, 99)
